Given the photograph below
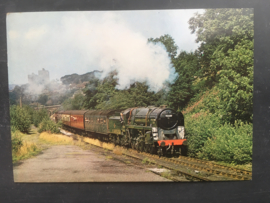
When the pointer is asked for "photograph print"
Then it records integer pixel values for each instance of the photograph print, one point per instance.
(131, 96)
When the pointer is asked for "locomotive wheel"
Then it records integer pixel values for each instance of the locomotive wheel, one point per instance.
(183, 150)
(152, 149)
(141, 146)
(133, 144)
(160, 152)
(114, 140)
(146, 148)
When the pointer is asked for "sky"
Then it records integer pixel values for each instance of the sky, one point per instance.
(79, 42)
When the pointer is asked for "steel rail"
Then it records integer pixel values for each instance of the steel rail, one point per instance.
(203, 168)
(242, 171)
(181, 172)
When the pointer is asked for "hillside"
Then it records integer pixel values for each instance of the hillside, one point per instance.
(77, 79)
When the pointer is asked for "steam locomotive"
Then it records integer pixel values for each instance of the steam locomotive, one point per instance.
(150, 129)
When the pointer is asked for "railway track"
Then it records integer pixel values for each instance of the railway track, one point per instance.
(191, 168)
(232, 169)
(228, 172)
(164, 164)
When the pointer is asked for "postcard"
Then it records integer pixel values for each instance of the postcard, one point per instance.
(131, 96)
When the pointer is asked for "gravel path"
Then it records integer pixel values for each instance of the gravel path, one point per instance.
(68, 163)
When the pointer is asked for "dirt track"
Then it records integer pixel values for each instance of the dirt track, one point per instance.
(68, 163)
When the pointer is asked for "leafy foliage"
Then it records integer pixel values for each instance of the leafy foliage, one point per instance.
(16, 141)
(90, 91)
(22, 149)
(75, 103)
(14, 96)
(43, 98)
(39, 115)
(199, 128)
(98, 92)
(209, 139)
(169, 44)
(232, 144)
(20, 118)
(219, 31)
(138, 94)
(235, 89)
(183, 88)
(49, 126)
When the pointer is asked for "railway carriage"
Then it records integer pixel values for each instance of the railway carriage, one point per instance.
(99, 121)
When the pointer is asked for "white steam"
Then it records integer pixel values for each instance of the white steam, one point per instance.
(83, 43)
(110, 44)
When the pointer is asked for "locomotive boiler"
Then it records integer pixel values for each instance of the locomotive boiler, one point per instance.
(151, 129)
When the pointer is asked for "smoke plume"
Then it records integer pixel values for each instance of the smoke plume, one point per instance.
(82, 43)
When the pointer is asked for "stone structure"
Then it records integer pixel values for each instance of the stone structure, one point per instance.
(42, 78)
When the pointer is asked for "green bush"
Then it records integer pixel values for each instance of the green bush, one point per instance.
(20, 119)
(16, 141)
(49, 126)
(39, 115)
(209, 139)
(13, 129)
(30, 111)
(199, 127)
(231, 144)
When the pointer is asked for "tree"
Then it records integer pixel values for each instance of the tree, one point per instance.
(219, 31)
(226, 37)
(20, 119)
(162, 95)
(234, 99)
(99, 91)
(38, 116)
(16, 94)
(90, 90)
(183, 88)
(168, 42)
(43, 98)
(137, 95)
(141, 95)
(75, 103)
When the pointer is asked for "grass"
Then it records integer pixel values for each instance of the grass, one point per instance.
(27, 150)
(117, 152)
(23, 146)
(144, 161)
(147, 160)
(166, 175)
(98, 143)
(247, 167)
(56, 139)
